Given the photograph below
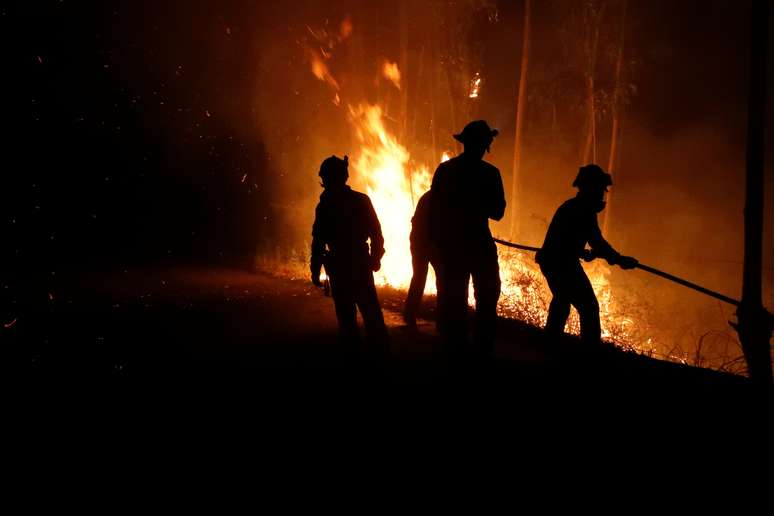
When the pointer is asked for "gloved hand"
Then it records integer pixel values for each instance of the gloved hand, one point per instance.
(315, 268)
(376, 264)
(627, 262)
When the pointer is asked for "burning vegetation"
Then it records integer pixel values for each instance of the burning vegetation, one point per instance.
(157, 131)
(382, 117)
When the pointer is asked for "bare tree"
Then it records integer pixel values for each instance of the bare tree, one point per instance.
(755, 323)
(404, 68)
(612, 163)
(520, 102)
(592, 22)
(458, 55)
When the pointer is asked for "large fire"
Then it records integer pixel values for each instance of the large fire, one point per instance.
(383, 167)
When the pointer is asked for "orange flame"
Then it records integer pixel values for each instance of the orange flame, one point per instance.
(391, 72)
(318, 55)
(384, 169)
(383, 166)
(475, 86)
(346, 29)
(320, 68)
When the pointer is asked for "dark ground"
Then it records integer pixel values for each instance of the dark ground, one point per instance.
(172, 365)
(189, 330)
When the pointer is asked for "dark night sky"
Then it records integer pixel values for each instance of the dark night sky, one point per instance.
(130, 125)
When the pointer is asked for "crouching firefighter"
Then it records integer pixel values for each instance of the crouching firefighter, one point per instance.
(345, 223)
(574, 225)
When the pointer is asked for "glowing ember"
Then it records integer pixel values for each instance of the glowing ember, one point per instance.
(320, 69)
(318, 55)
(475, 86)
(392, 73)
(346, 29)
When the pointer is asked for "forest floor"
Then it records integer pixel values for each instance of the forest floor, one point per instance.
(194, 325)
(250, 343)
(201, 347)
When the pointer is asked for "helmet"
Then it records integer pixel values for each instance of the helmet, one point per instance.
(476, 131)
(592, 175)
(333, 170)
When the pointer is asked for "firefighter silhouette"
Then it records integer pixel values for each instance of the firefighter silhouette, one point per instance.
(573, 226)
(467, 192)
(344, 226)
(423, 254)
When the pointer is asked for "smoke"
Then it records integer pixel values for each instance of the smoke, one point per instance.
(679, 189)
(193, 131)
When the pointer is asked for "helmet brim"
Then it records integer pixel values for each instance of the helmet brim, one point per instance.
(462, 137)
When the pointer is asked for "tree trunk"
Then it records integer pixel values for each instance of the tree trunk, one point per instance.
(520, 102)
(404, 71)
(434, 63)
(593, 24)
(612, 162)
(755, 323)
(590, 117)
(416, 103)
(452, 104)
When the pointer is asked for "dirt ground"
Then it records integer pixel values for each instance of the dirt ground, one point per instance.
(191, 358)
(198, 326)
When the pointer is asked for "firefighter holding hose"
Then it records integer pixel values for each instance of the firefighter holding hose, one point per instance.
(573, 227)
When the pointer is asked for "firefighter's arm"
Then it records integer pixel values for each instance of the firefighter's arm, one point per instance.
(318, 250)
(496, 205)
(437, 178)
(600, 248)
(375, 237)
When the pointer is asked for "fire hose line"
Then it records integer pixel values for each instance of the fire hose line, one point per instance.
(645, 268)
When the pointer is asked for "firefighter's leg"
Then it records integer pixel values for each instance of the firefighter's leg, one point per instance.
(371, 310)
(486, 286)
(558, 313)
(344, 301)
(443, 313)
(559, 309)
(420, 264)
(453, 280)
(585, 301)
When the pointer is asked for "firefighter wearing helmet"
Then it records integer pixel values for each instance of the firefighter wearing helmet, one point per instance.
(573, 227)
(467, 192)
(347, 240)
